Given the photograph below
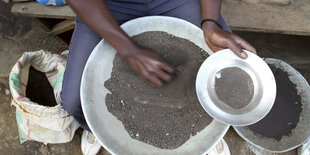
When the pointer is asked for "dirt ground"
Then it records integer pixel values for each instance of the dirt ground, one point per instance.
(20, 34)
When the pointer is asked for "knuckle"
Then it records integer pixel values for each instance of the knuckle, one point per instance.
(230, 39)
(145, 75)
(152, 70)
(213, 48)
(212, 37)
(225, 42)
(167, 77)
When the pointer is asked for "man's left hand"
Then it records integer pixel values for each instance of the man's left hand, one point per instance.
(218, 39)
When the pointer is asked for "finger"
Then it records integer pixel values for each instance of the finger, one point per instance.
(163, 75)
(150, 83)
(142, 72)
(235, 47)
(155, 80)
(168, 68)
(244, 44)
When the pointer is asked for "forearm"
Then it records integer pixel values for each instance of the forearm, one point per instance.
(210, 9)
(97, 16)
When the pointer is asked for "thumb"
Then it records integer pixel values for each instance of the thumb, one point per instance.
(236, 48)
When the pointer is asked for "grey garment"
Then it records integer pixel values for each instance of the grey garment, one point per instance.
(84, 40)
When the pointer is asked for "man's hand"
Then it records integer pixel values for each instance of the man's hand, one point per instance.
(218, 39)
(146, 63)
(150, 66)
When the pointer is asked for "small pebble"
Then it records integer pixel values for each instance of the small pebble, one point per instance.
(137, 135)
(7, 92)
(167, 134)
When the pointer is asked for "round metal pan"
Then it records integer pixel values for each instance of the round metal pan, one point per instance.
(105, 126)
(299, 134)
(263, 81)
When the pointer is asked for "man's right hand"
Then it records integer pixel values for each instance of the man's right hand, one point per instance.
(145, 62)
(150, 66)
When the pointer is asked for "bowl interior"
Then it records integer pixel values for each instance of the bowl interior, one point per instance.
(264, 88)
(258, 88)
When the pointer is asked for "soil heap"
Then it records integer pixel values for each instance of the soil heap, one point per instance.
(164, 117)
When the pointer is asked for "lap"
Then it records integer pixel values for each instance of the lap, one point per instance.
(189, 10)
(84, 39)
(82, 43)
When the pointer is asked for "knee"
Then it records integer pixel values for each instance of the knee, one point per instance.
(71, 104)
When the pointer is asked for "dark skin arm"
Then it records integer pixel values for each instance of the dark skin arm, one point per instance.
(217, 38)
(142, 60)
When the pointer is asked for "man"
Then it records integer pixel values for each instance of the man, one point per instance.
(99, 19)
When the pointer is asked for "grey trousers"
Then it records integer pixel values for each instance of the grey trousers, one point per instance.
(84, 40)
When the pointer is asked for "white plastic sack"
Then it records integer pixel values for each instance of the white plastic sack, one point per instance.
(38, 122)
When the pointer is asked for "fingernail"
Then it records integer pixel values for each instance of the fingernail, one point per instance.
(244, 55)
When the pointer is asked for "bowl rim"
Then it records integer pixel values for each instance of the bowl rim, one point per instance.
(243, 116)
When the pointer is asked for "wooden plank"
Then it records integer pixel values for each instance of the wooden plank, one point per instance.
(21, 0)
(290, 19)
(34, 9)
(62, 27)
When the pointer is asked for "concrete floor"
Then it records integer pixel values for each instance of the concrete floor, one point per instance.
(20, 34)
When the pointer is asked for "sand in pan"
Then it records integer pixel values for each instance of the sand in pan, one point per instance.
(164, 117)
(285, 113)
(234, 87)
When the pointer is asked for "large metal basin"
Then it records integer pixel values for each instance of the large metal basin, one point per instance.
(105, 126)
(299, 134)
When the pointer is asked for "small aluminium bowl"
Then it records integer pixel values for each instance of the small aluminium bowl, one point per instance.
(263, 83)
